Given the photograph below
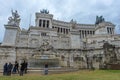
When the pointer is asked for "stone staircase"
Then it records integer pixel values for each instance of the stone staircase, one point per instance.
(52, 70)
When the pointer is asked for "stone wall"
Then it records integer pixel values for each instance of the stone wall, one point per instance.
(7, 54)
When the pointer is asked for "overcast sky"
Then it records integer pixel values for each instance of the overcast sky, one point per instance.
(83, 11)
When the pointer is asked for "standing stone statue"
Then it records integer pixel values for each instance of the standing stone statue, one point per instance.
(14, 20)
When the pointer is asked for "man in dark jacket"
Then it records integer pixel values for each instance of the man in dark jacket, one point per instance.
(15, 69)
(22, 68)
(10, 66)
(5, 69)
(26, 65)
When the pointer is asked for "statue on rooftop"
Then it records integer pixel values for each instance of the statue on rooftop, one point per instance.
(73, 22)
(45, 11)
(99, 19)
(14, 20)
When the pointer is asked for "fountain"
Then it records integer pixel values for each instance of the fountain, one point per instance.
(45, 54)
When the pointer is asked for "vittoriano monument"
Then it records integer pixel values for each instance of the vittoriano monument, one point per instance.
(60, 44)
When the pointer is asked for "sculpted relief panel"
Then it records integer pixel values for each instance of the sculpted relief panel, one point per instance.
(22, 42)
(34, 42)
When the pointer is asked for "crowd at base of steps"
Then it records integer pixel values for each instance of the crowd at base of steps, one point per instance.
(10, 68)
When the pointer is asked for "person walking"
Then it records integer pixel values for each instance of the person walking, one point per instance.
(22, 68)
(15, 69)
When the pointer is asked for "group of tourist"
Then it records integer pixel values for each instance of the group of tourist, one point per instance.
(9, 68)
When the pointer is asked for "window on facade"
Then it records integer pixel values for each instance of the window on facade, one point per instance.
(61, 30)
(108, 30)
(87, 32)
(58, 30)
(40, 22)
(43, 23)
(47, 23)
(43, 34)
(80, 33)
(53, 27)
(93, 32)
(66, 31)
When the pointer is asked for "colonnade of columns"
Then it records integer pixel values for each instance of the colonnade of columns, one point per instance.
(84, 33)
(44, 23)
(110, 30)
(62, 30)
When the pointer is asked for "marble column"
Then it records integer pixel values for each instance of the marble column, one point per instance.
(80, 33)
(84, 33)
(41, 23)
(45, 23)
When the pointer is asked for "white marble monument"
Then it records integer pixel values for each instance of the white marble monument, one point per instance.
(76, 45)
